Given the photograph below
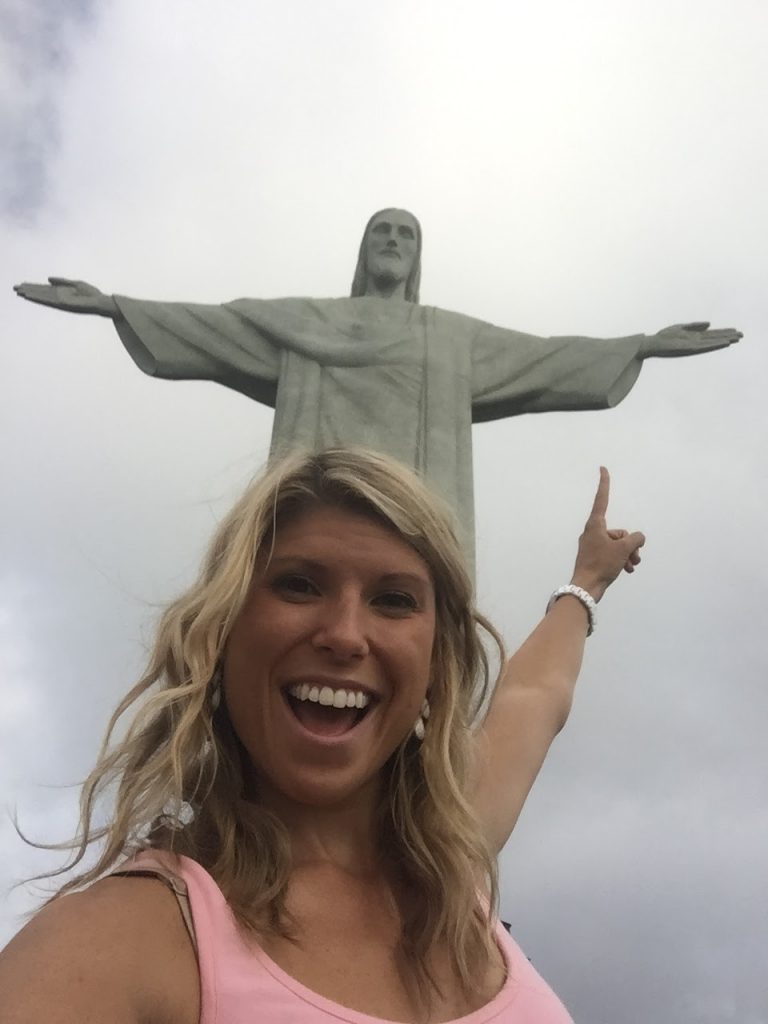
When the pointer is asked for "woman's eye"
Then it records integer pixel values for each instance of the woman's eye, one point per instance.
(297, 586)
(397, 601)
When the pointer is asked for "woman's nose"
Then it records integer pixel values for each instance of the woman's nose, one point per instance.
(341, 630)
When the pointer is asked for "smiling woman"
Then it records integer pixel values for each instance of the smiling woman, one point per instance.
(343, 607)
(307, 773)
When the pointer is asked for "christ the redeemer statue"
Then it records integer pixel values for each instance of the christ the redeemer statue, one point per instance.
(379, 369)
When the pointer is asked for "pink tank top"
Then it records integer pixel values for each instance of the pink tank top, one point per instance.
(240, 983)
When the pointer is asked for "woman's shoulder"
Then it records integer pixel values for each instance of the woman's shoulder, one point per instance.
(115, 951)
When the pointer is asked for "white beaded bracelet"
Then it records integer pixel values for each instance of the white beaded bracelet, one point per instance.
(586, 599)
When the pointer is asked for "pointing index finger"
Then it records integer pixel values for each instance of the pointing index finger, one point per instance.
(600, 504)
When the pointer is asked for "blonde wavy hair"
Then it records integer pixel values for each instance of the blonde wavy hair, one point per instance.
(179, 750)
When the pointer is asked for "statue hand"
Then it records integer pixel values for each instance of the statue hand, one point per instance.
(688, 340)
(603, 553)
(73, 296)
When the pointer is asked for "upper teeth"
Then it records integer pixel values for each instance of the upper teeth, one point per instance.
(329, 697)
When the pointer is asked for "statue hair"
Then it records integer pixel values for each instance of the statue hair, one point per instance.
(413, 282)
(178, 747)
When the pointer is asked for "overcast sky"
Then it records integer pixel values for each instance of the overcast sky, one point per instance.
(596, 168)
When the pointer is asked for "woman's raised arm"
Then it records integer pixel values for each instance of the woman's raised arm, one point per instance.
(533, 698)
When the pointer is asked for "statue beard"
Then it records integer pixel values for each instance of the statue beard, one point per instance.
(387, 280)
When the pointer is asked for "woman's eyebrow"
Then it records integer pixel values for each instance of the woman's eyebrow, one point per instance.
(298, 562)
(388, 579)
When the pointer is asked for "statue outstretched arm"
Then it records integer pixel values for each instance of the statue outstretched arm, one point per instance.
(176, 341)
(688, 340)
(514, 373)
(199, 341)
(72, 296)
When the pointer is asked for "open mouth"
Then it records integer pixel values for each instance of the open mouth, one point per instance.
(325, 720)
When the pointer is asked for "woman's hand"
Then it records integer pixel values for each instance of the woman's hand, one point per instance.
(603, 553)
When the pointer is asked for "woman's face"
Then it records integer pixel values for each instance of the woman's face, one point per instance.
(345, 612)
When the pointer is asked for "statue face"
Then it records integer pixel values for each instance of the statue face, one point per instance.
(391, 245)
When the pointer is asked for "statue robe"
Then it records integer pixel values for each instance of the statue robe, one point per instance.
(401, 378)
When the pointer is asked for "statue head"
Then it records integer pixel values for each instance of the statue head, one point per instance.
(390, 252)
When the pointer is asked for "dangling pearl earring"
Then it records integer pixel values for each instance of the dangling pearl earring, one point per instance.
(418, 727)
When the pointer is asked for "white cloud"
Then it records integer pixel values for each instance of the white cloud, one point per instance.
(36, 43)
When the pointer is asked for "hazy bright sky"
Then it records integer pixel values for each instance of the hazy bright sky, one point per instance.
(597, 168)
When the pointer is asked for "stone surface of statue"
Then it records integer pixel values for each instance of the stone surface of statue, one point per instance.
(377, 368)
